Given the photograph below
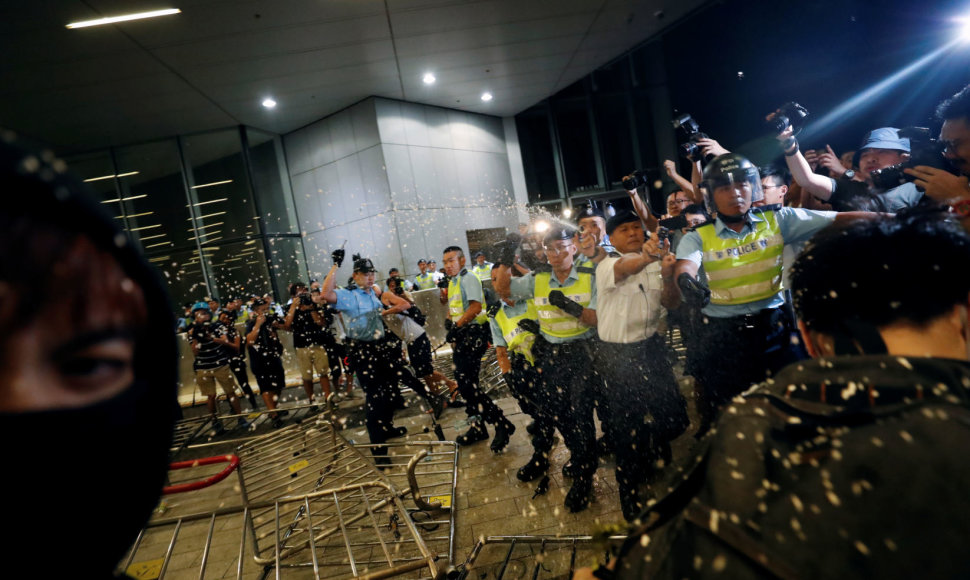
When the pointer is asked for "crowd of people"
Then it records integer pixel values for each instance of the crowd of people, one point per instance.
(825, 319)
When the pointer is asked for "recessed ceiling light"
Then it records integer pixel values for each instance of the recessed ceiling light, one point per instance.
(429, 79)
(486, 97)
(123, 18)
(269, 103)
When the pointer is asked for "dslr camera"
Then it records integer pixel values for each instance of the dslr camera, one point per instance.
(790, 114)
(638, 178)
(689, 132)
(305, 299)
(924, 150)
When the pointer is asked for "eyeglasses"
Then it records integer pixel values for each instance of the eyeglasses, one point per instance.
(678, 202)
(558, 249)
(951, 146)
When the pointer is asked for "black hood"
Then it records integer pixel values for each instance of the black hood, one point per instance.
(81, 482)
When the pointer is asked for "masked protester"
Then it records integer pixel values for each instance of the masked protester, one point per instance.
(89, 360)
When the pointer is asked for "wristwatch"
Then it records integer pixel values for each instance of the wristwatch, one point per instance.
(849, 174)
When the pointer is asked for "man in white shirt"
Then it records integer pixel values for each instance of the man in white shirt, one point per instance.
(644, 410)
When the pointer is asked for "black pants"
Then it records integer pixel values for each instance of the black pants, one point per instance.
(401, 373)
(237, 365)
(643, 407)
(526, 387)
(470, 346)
(269, 374)
(572, 386)
(376, 376)
(741, 351)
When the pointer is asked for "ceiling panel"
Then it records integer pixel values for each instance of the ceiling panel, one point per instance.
(212, 65)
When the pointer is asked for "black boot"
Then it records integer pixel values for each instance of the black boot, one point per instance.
(503, 431)
(536, 466)
(579, 494)
(477, 432)
(570, 470)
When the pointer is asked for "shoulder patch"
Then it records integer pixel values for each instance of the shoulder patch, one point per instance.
(585, 270)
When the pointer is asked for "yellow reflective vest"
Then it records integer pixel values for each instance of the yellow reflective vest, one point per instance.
(518, 340)
(554, 321)
(456, 309)
(742, 270)
(483, 272)
(424, 281)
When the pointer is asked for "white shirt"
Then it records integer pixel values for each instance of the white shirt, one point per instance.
(629, 311)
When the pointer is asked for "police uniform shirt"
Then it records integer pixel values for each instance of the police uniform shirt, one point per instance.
(361, 313)
(895, 199)
(518, 309)
(795, 225)
(425, 281)
(629, 311)
(471, 290)
(523, 289)
(484, 272)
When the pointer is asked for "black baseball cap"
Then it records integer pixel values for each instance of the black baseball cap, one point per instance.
(623, 216)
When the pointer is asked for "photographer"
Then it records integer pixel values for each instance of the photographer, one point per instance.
(941, 185)
(881, 148)
(643, 408)
(308, 326)
(212, 362)
(265, 351)
(592, 232)
(746, 332)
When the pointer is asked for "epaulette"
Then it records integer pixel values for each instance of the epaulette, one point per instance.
(585, 270)
(614, 254)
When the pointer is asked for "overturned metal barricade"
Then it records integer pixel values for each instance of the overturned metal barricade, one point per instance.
(533, 557)
(306, 503)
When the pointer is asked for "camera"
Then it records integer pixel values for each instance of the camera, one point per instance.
(924, 150)
(790, 114)
(689, 132)
(305, 299)
(674, 223)
(202, 331)
(636, 179)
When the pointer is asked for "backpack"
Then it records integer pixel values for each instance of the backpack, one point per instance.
(798, 488)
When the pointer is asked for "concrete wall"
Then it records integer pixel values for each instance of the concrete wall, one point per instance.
(399, 181)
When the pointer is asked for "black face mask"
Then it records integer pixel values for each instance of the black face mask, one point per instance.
(80, 483)
(733, 219)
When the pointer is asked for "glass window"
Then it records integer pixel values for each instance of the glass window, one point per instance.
(288, 262)
(219, 187)
(535, 143)
(182, 271)
(576, 144)
(271, 183)
(237, 269)
(151, 197)
(97, 170)
(616, 134)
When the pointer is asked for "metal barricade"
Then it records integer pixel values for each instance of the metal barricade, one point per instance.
(533, 557)
(307, 503)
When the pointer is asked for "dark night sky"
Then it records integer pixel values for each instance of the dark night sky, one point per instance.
(819, 53)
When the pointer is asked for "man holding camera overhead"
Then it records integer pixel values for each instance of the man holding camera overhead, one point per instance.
(745, 332)
(310, 340)
(871, 187)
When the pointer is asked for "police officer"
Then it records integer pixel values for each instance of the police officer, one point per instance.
(592, 223)
(565, 298)
(361, 310)
(482, 268)
(513, 349)
(467, 327)
(643, 407)
(745, 333)
(425, 280)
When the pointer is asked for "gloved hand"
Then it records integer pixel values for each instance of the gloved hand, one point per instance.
(493, 309)
(506, 249)
(451, 330)
(338, 256)
(694, 293)
(443, 283)
(567, 305)
(529, 325)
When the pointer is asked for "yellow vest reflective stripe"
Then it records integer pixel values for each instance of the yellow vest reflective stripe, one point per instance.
(744, 270)
(424, 281)
(517, 339)
(483, 272)
(554, 321)
(455, 306)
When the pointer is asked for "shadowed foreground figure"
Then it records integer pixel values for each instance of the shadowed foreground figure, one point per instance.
(87, 379)
(851, 465)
